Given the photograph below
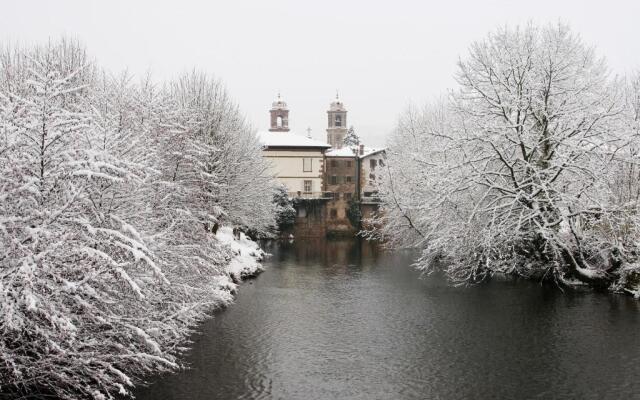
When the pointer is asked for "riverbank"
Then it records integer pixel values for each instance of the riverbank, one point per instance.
(246, 260)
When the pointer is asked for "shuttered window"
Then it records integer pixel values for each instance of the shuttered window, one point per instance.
(307, 165)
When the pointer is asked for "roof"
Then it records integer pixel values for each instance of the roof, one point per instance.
(343, 152)
(369, 151)
(353, 151)
(337, 105)
(279, 104)
(288, 139)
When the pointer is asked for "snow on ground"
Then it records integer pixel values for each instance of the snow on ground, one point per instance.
(245, 263)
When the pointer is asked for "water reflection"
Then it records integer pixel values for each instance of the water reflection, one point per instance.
(341, 319)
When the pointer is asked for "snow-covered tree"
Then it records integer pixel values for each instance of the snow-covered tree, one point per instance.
(226, 154)
(516, 172)
(108, 193)
(351, 138)
(285, 212)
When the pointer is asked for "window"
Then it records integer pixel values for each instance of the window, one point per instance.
(334, 163)
(347, 196)
(279, 121)
(333, 213)
(338, 120)
(336, 195)
(334, 180)
(381, 163)
(347, 179)
(308, 185)
(349, 163)
(302, 212)
(307, 165)
(373, 163)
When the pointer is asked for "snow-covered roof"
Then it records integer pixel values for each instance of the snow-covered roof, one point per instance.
(369, 151)
(337, 105)
(279, 104)
(288, 139)
(352, 151)
(343, 152)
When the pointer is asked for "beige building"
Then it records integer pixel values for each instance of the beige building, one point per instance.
(296, 161)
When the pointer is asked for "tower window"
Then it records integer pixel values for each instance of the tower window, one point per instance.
(279, 121)
(338, 120)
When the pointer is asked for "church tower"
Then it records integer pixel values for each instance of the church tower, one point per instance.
(337, 128)
(279, 116)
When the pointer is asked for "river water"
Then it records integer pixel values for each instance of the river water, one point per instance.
(343, 320)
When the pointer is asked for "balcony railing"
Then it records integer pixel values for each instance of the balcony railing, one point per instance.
(371, 199)
(311, 195)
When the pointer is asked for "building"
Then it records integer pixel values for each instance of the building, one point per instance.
(341, 177)
(371, 163)
(329, 182)
(296, 161)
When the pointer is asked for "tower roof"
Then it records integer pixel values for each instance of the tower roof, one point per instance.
(279, 104)
(337, 104)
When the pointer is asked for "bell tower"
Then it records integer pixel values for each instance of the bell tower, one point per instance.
(337, 127)
(279, 116)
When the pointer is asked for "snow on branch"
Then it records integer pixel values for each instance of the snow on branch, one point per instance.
(110, 195)
(529, 167)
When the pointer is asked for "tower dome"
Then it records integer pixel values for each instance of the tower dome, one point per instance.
(337, 104)
(279, 104)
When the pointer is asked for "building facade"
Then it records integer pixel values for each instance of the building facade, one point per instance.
(341, 177)
(372, 163)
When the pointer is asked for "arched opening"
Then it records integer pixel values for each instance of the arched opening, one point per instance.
(338, 120)
(279, 121)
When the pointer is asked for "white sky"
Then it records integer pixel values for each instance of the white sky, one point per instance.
(380, 55)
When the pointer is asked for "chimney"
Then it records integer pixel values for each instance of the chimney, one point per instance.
(361, 149)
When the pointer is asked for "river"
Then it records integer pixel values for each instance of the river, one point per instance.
(343, 320)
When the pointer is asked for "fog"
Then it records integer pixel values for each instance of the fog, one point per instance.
(380, 56)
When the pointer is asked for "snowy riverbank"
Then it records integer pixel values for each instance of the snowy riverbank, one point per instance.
(245, 262)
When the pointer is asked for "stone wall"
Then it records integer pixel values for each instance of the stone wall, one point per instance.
(310, 219)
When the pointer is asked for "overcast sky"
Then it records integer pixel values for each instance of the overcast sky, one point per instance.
(380, 55)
